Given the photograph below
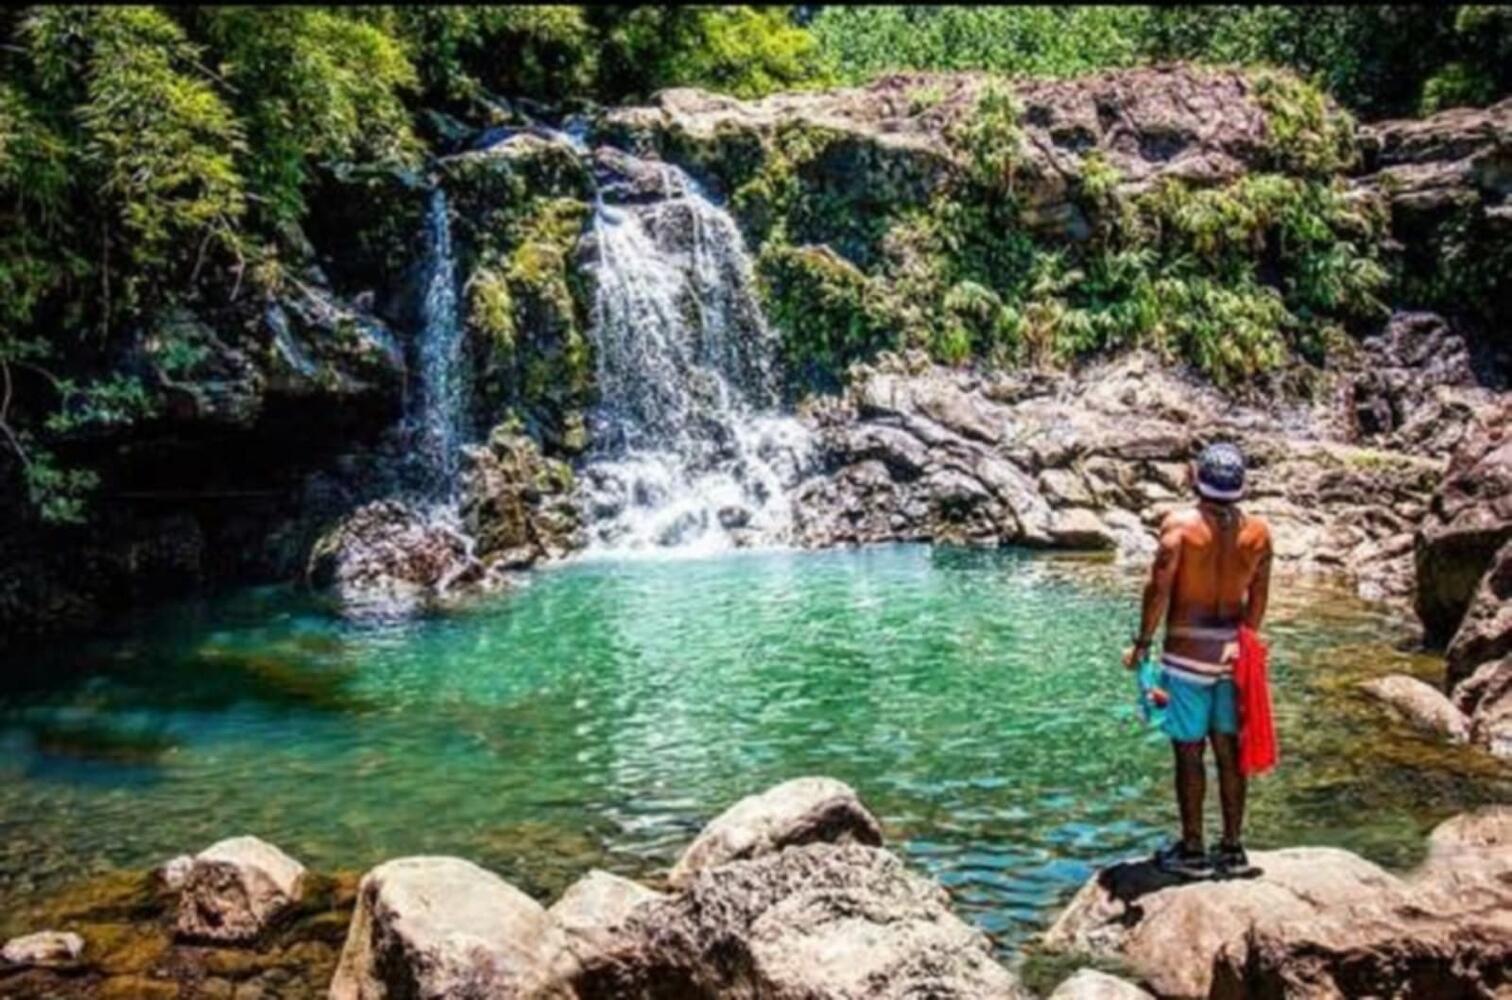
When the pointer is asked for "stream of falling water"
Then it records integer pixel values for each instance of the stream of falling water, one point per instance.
(689, 450)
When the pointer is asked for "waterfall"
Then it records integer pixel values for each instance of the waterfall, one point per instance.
(436, 400)
(688, 449)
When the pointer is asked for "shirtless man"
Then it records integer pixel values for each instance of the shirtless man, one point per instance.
(1212, 571)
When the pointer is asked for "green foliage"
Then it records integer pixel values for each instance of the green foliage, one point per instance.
(1306, 136)
(990, 138)
(831, 312)
(1377, 60)
(864, 42)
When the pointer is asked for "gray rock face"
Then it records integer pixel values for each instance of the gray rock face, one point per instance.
(44, 948)
(1317, 923)
(516, 503)
(821, 920)
(433, 928)
(1095, 460)
(1423, 705)
(1486, 697)
(235, 889)
(800, 811)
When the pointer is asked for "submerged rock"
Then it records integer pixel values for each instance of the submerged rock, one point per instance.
(843, 921)
(433, 927)
(1420, 703)
(1316, 922)
(235, 889)
(800, 811)
(44, 948)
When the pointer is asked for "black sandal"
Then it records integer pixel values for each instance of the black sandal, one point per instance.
(1230, 861)
(1183, 862)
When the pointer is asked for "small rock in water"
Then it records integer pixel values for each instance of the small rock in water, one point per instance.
(1421, 704)
(734, 517)
(235, 889)
(174, 872)
(44, 948)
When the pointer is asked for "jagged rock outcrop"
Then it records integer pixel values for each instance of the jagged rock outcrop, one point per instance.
(1485, 631)
(796, 812)
(1094, 459)
(516, 504)
(1200, 125)
(1486, 698)
(1421, 704)
(1316, 922)
(1468, 520)
(235, 889)
(443, 927)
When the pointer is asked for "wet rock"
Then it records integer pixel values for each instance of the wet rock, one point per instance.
(830, 920)
(516, 503)
(387, 558)
(1485, 632)
(1415, 387)
(800, 811)
(1089, 984)
(44, 948)
(235, 889)
(443, 927)
(1469, 519)
(1423, 705)
(174, 872)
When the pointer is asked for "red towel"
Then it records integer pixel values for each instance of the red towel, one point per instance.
(1257, 732)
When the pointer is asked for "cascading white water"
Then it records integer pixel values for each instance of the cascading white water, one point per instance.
(437, 396)
(688, 448)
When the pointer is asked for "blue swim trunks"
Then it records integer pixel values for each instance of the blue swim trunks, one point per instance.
(1196, 709)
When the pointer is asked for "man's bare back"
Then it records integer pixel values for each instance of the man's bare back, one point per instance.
(1221, 575)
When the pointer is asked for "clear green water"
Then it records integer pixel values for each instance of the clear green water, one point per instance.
(601, 714)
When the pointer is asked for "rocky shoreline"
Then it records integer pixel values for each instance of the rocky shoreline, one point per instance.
(787, 894)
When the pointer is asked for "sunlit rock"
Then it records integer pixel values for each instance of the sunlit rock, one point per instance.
(443, 927)
(800, 811)
(1089, 984)
(236, 889)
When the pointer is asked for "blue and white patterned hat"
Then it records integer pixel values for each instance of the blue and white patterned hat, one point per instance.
(1220, 472)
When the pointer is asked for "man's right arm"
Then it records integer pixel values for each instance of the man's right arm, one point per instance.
(1259, 588)
(1157, 591)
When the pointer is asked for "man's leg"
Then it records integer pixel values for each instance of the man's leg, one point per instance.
(1191, 786)
(1232, 785)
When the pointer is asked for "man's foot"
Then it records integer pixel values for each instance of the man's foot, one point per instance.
(1183, 861)
(1230, 861)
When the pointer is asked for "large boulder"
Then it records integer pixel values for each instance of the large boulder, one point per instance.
(1469, 519)
(594, 910)
(1423, 705)
(390, 558)
(800, 811)
(823, 920)
(235, 889)
(436, 927)
(1316, 923)
(1175, 936)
